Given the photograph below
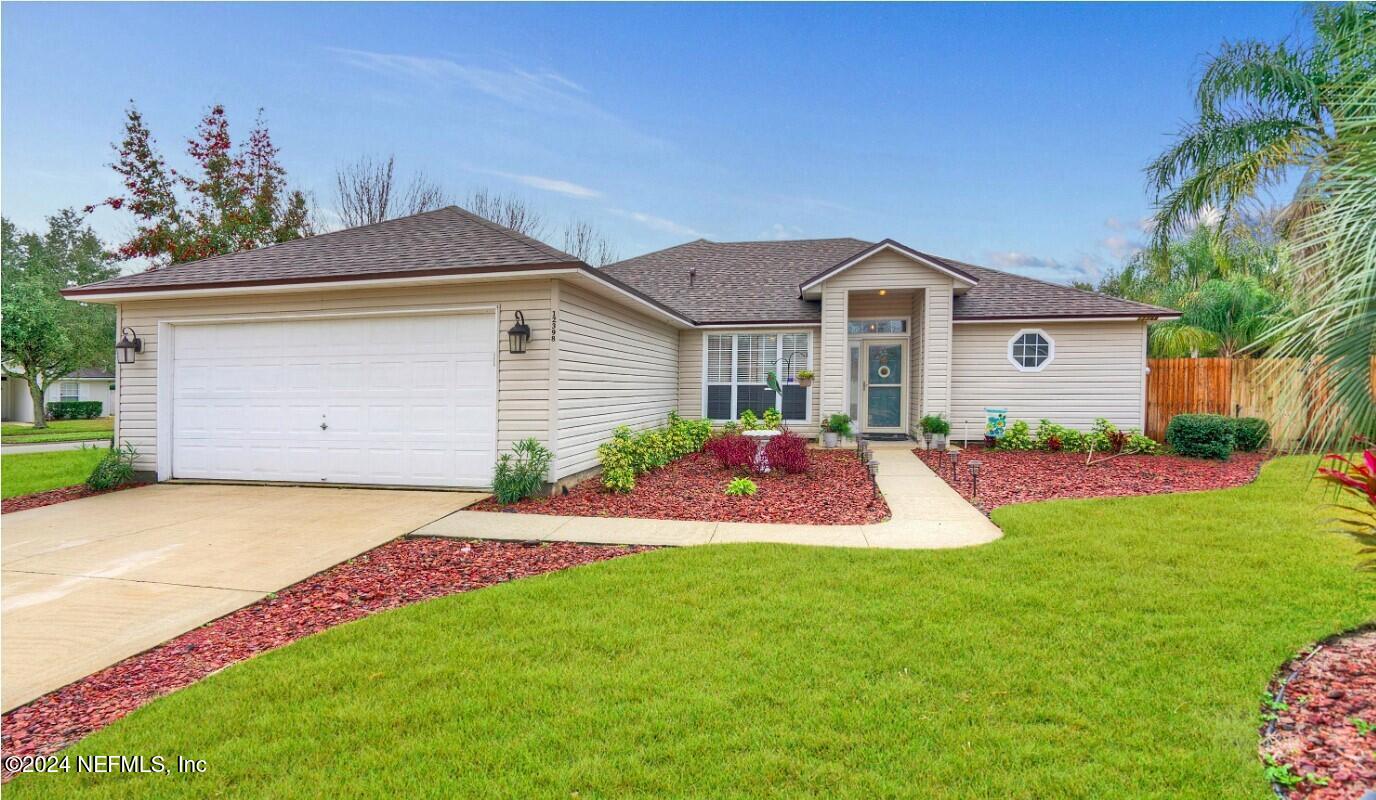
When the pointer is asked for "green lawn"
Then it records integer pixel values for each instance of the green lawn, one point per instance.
(1105, 648)
(64, 430)
(25, 473)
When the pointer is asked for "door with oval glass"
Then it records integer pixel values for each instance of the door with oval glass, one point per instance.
(884, 386)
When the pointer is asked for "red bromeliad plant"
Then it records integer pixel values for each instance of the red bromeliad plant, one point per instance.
(239, 200)
(1359, 480)
(734, 451)
(787, 452)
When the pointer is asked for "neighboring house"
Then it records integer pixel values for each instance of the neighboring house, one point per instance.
(85, 384)
(381, 354)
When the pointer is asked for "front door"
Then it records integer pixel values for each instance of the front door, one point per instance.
(882, 386)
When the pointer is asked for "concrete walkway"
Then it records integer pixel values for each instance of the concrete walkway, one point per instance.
(927, 513)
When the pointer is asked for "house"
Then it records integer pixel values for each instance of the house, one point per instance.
(389, 354)
(93, 384)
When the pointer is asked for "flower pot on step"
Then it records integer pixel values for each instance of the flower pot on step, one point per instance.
(939, 441)
(831, 439)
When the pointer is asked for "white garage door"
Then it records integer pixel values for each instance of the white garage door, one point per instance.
(402, 400)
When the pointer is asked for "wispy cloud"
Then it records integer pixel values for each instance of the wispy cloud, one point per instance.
(544, 184)
(780, 231)
(540, 90)
(1043, 268)
(657, 223)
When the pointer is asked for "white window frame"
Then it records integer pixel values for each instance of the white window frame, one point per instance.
(62, 391)
(778, 335)
(1050, 350)
(906, 332)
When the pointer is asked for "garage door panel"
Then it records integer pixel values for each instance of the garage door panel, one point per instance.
(406, 400)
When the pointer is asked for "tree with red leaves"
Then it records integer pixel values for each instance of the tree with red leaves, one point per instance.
(235, 199)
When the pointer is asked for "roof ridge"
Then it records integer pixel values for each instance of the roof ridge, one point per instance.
(785, 241)
(528, 241)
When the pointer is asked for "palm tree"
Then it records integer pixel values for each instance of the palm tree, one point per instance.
(1335, 258)
(1264, 111)
(1228, 287)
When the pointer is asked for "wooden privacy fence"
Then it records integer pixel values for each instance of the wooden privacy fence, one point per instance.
(1280, 390)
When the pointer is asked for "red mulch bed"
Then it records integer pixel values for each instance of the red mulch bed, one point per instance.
(398, 573)
(24, 502)
(836, 490)
(1028, 476)
(1315, 734)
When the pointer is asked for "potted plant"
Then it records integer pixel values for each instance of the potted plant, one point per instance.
(805, 377)
(834, 427)
(936, 427)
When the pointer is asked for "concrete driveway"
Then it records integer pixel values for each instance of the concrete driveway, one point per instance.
(89, 582)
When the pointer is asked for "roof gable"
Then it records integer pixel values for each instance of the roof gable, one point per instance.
(933, 262)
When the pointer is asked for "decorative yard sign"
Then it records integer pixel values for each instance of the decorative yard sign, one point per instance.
(995, 420)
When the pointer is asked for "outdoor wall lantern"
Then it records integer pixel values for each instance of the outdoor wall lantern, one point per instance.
(519, 334)
(127, 347)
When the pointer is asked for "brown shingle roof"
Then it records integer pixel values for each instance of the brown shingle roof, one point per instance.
(758, 282)
(447, 240)
(736, 281)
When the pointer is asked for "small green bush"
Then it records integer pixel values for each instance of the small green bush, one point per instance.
(115, 469)
(935, 423)
(1138, 443)
(74, 409)
(627, 454)
(773, 420)
(1250, 433)
(749, 420)
(1071, 440)
(520, 473)
(1017, 436)
(741, 487)
(1201, 435)
(838, 424)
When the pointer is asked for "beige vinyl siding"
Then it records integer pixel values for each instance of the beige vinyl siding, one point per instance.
(690, 386)
(888, 270)
(614, 367)
(917, 305)
(1099, 370)
(523, 404)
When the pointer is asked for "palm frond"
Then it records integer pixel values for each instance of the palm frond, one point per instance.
(1220, 160)
(1256, 74)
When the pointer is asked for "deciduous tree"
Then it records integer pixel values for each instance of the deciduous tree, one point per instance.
(234, 198)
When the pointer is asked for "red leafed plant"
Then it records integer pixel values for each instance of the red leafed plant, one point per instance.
(787, 452)
(734, 451)
(1359, 480)
(1054, 443)
(1117, 440)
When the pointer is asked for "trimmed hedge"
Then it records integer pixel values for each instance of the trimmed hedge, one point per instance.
(1250, 433)
(627, 454)
(74, 409)
(1201, 435)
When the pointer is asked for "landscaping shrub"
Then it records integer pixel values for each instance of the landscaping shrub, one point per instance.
(1201, 435)
(1250, 433)
(1067, 439)
(115, 469)
(749, 421)
(773, 420)
(1017, 436)
(74, 409)
(934, 424)
(787, 452)
(627, 454)
(1138, 443)
(741, 487)
(520, 473)
(733, 451)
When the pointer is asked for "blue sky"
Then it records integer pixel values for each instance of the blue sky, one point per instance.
(1008, 135)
